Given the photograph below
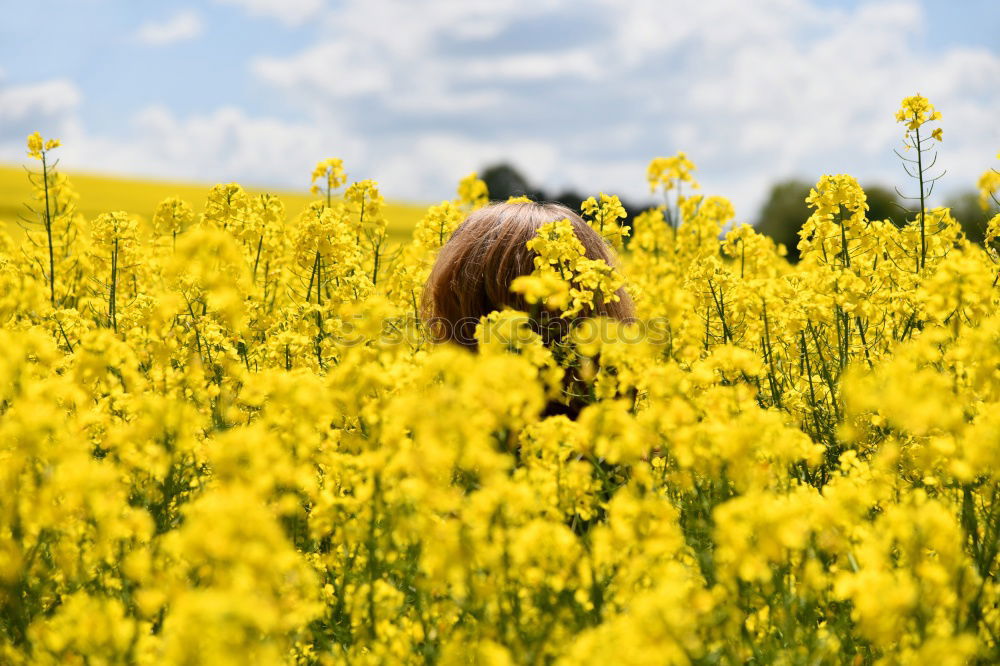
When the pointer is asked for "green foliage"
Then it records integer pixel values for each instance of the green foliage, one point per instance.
(785, 211)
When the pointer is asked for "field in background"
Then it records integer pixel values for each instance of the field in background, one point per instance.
(102, 193)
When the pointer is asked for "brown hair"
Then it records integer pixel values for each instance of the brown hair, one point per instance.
(475, 268)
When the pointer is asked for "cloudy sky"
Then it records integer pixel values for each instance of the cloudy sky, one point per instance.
(577, 93)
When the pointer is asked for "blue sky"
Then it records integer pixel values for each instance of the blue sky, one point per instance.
(575, 93)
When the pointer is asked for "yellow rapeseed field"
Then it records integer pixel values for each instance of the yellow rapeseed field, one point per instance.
(226, 436)
(99, 193)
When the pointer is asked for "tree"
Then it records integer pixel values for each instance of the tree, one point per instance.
(785, 211)
(883, 204)
(504, 181)
(966, 209)
(783, 214)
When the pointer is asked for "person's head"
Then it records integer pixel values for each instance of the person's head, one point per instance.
(475, 268)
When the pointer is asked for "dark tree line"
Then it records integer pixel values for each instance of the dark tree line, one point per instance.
(785, 211)
(781, 216)
(505, 181)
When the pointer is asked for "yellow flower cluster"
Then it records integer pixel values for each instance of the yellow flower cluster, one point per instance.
(602, 214)
(328, 175)
(915, 111)
(37, 147)
(226, 439)
(989, 188)
(472, 192)
(565, 279)
(669, 172)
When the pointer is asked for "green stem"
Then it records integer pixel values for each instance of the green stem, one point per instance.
(48, 232)
(372, 569)
(260, 245)
(113, 295)
(920, 174)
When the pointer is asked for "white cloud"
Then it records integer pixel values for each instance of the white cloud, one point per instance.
(221, 146)
(289, 12)
(430, 167)
(45, 100)
(356, 72)
(753, 92)
(537, 66)
(415, 95)
(183, 25)
(49, 107)
(388, 48)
